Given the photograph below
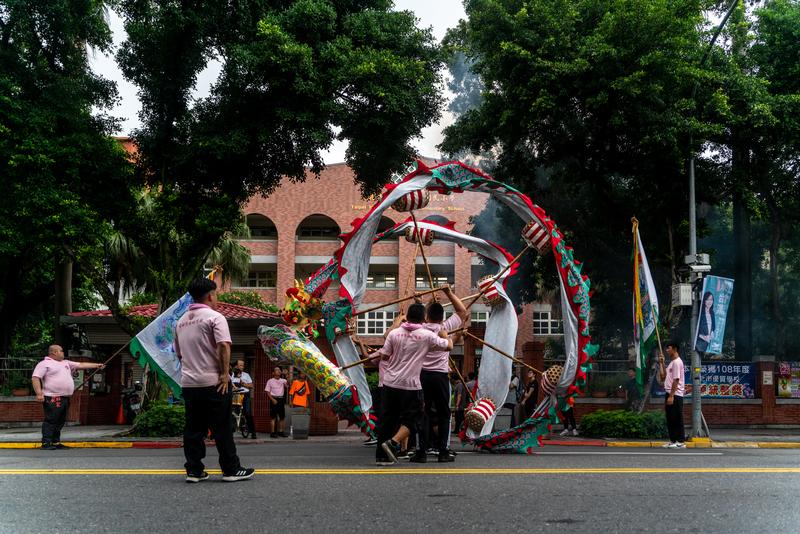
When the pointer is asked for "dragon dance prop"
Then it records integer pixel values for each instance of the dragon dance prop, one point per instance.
(350, 266)
(281, 343)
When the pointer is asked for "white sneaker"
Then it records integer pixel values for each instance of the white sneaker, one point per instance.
(670, 445)
(564, 432)
(574, 431)
(674, 445)
(680, 445)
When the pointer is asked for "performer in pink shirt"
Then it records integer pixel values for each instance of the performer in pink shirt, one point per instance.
(401, 404)
(673, 377)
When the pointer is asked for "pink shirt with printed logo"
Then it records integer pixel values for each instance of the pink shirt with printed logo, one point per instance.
(439, 360)
(406, 348)
(56, 377)
(675, 370)
(196, 336)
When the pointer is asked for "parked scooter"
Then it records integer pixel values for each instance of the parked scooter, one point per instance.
(132, 402)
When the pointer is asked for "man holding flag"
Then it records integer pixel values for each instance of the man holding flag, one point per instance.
(203, 345)
(645, 307)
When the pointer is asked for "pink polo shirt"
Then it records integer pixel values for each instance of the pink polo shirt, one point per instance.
(439, 360)
(276, 387)
(196, 337)
(407, 347)
(675, 370)
(56, 377)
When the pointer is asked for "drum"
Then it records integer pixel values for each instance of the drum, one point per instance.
(491, 297)
(425, 234)
(238, 399)
(412, 201)
(478, 413)
(550, 379)
(537, 236)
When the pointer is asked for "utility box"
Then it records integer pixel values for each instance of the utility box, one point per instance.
(681, 295)
(300, 423)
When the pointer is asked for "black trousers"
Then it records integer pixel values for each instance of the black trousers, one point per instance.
(55, 415)
(459, 420)
(436, 392)
(398, 407)
(569, 419)
(247, 409)
(207, 408)
(674, 415)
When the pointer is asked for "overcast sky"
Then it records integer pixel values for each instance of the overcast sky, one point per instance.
(439, 14)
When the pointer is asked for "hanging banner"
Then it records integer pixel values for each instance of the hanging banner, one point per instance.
(710, 330)
(734, 380)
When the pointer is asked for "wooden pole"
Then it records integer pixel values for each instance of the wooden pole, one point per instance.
(123, 347)
(362, 361)
(503, 353)
(397, 301)
(411, 277)
(465, 298)
(422, 250)
(496, 278)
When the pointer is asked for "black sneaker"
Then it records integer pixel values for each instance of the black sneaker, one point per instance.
(194, 478)
(242, 474)
(370, 442)
(443, 458)
(420, 457)
(49, 447)
(61, 446)
(403, 455)
(383, 462)
(391, 449)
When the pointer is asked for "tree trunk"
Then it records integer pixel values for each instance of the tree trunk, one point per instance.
(63, 300)
(774, 283)
(743, 273)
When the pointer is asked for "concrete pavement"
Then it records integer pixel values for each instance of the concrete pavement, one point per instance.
(113, 436)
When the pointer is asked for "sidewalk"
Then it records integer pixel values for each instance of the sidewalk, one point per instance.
(112, 437)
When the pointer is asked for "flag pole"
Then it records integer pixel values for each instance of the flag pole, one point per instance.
(123, 347)
(422, 250)
(496, 278)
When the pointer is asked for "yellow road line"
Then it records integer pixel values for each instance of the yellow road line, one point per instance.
(422, 471)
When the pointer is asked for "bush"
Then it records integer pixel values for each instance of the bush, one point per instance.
(160, 420)
(251, 299)
(624, 424)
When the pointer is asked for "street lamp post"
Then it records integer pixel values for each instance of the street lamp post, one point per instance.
(697, 268)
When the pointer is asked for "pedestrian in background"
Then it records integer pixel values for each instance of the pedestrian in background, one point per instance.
(53, 384)
(276, 392)
(633, 396)
(531, 397)
(203, 344)
(298, 393)
(674, 382)
(246, 386)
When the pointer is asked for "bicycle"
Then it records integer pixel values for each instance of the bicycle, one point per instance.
(237, 414)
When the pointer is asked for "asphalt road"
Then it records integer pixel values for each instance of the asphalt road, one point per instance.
(335, 487)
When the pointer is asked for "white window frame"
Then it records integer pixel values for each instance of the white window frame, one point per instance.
(374, 323)
(254, 279)
(545, 324)
(382, 281)
(478, 318)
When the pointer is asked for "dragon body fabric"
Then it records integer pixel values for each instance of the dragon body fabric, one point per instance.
(350, 265)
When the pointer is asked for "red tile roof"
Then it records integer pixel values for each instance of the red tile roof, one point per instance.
(230, 311)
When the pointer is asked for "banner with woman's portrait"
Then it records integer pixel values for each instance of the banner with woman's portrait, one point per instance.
(710, 330)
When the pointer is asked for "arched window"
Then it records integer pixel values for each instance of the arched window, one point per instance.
(318, 228)
(261, 227)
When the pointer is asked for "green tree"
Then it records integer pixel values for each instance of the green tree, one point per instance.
(588, 106)
(295, 77)
(62, 175)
